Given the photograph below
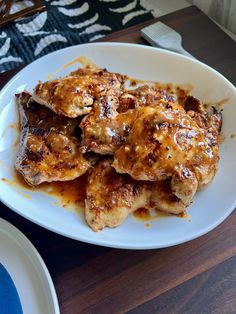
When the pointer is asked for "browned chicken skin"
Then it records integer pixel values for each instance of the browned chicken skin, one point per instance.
(212, 124)
(142, 96)
(112, 116)
(74, 95)
(49, 150)
(174, 195)
(162, 139)
(111, 196)
(104, 129)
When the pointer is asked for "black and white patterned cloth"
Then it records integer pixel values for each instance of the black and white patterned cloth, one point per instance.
(66, 23)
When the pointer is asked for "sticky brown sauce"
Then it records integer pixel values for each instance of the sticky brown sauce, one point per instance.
(69, 194)
(133, 82)
(181, 91)
(13, 183)
(169, 87)
(184, 215)
(144, 214)
(84, 61)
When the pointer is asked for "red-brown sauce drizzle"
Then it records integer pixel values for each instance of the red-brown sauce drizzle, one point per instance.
(134, 82)
(69, 193)
(144, 214)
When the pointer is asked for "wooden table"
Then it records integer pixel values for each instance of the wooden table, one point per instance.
(195, 277)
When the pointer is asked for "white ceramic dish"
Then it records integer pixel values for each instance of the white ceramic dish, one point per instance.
(28, 272)
(210, 207)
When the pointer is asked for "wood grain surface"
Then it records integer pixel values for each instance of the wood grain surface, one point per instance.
(196, 277)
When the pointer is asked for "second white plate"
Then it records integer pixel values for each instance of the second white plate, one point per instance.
(28, 272)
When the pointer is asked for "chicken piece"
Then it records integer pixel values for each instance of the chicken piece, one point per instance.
(174, 195)
(212, 123)
(49, 150)
(162, 139)
(112, 116)
(74, 96)
(98, 73)
(104, 129)
(142, 96)
(184, 185)
(111, 197)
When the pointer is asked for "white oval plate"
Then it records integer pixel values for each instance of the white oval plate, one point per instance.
(28, 272)
(210, 206)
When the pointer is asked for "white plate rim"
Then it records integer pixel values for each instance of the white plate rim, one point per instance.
(119, 44)
(127, 246)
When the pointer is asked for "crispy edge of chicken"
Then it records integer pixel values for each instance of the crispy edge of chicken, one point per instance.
(47, 154)
(212, 122)
(111, 196)
(142, 96)
(175, 194)
(74, 95)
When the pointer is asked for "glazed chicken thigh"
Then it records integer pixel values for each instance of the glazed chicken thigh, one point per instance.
(74, 95)
(104, 129)
(49, 149)
(111, 196)
(167, 143)
(142, 96)
(108, 124)
(212, 124)
(175, 194)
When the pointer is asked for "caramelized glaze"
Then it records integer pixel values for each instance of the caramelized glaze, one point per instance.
(112, 196)
(147, 214)
(49, 149)
(84, 61)
(143, 214)
(70, 194)
(161, 139)
(74, 95)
